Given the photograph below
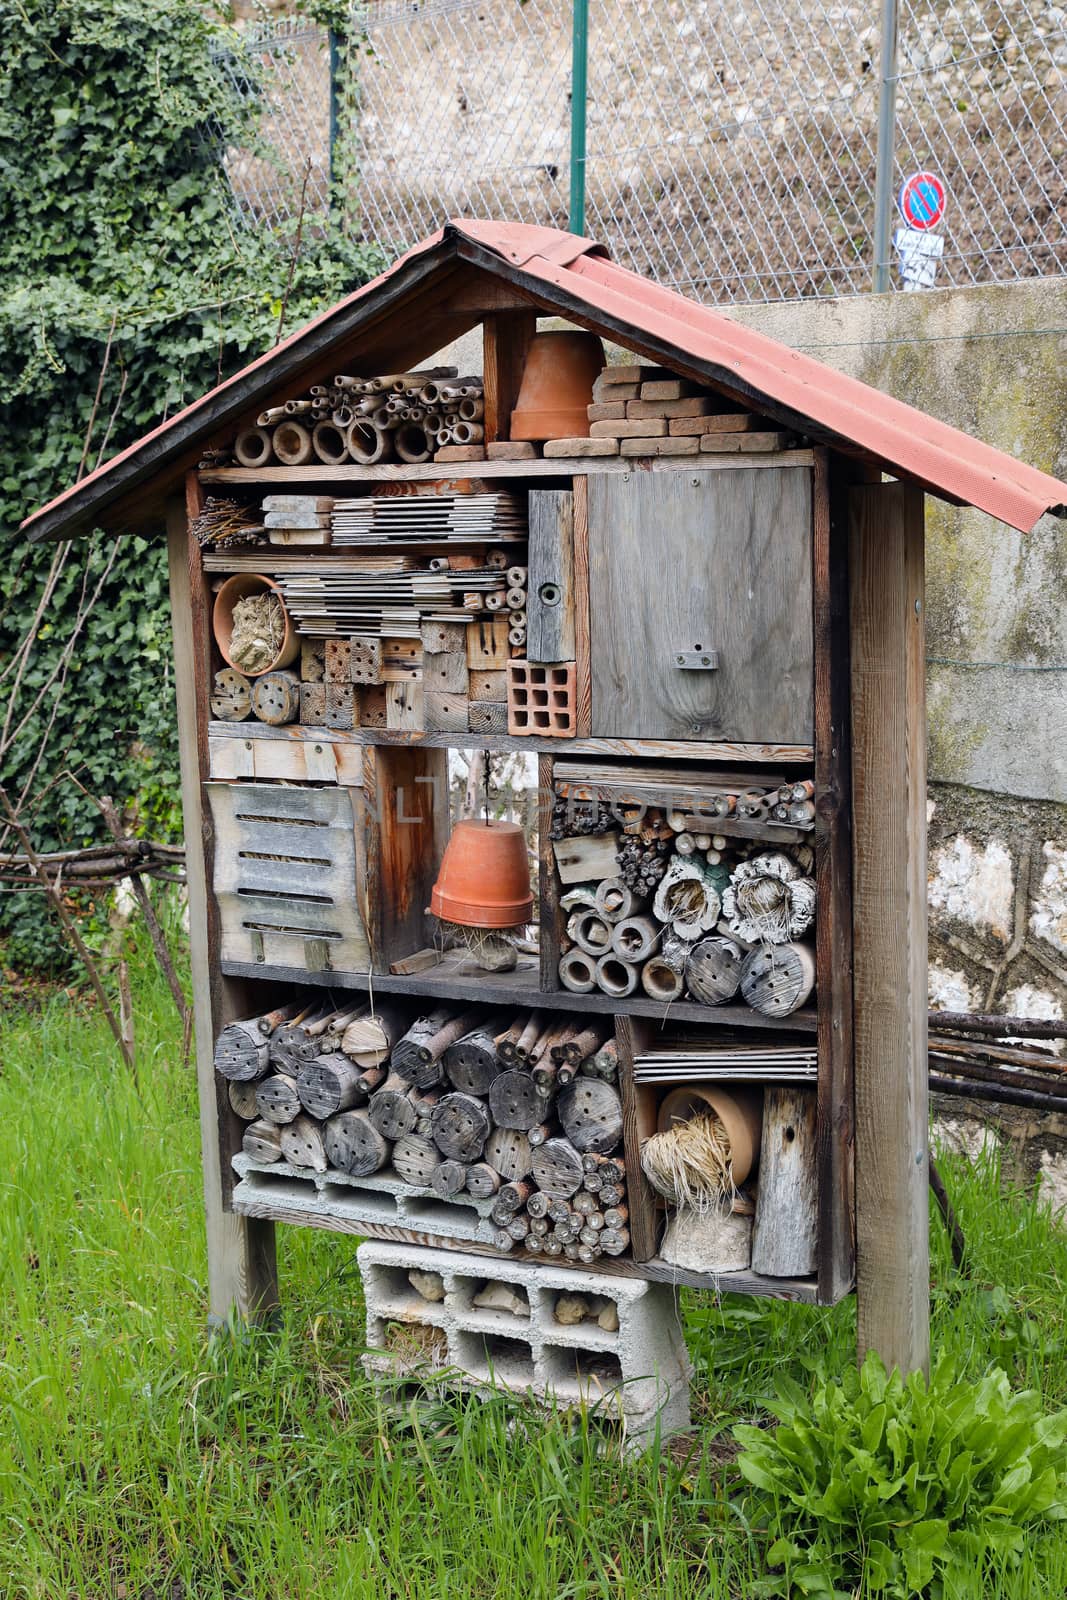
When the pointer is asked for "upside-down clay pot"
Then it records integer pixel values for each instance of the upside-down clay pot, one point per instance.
(557, 386)
(739, 1110)
(234, 589)
(484, 881)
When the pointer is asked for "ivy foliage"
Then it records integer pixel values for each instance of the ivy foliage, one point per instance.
(121, 255)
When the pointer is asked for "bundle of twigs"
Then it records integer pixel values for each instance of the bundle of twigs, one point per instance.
(224, 524)
(99, 866)
(969, 1055)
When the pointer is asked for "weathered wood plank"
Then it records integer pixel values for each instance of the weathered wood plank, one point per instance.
(242, 1271)
(638, 1124)
(833, 879)
(561, 467)
(649, 749)
(583, 710)
(505, 340)
(548, 887)
(674, 563)
(550, 601)
(889, 921)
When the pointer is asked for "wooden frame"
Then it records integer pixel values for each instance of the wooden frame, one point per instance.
(863, 546)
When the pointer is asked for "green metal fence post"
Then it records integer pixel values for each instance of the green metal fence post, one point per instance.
(335, 93)
(579, 76)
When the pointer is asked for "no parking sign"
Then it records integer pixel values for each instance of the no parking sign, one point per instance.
(922, 205)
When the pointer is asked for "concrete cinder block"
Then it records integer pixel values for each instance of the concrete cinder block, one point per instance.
(638, 1374)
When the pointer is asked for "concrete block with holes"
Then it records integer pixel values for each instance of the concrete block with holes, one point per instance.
(637, 1374)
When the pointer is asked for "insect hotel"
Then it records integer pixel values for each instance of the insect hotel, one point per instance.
(678, 1035)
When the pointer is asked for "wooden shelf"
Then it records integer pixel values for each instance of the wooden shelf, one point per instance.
(648, 749)
(450, 471)
(333, 557)
(748, 1283)
(520, 988)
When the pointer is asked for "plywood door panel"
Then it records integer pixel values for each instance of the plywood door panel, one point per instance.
(682, 562)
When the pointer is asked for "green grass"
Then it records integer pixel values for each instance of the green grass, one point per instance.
(138, 1459)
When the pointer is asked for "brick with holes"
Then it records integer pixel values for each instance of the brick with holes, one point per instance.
(542, 699)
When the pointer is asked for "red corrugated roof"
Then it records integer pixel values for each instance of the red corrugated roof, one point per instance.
(904, 440)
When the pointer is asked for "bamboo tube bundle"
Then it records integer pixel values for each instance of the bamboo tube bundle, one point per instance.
(512, 1112)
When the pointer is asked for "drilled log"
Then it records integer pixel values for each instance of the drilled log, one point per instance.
(354, 1145)
(303, 1144)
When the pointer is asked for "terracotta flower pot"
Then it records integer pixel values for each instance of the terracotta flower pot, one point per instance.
(740, 1111)
(557, 386)
(234, 589)
(484, 881)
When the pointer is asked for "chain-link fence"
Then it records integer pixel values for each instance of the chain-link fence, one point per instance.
(732, 147)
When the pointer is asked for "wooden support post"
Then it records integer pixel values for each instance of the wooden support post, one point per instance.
(889, 921)
(242, 1271)
(505, 340)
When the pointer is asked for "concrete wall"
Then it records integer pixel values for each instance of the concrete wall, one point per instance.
(988, 360)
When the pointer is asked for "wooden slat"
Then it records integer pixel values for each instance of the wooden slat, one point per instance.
(632, 1035)
(548, 881)
(505, 340)
(427, 472)
(684, 564)
(835, 1122)
(521, 989)
(242, 1272)
(889, 921)
(583, 711)
(550, 628)
(647, 749)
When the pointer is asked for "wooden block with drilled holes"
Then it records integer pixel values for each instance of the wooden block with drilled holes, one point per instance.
(662, 447)
(722, 422)
(608, 410)
(444, 638)
(365, 660)
(667, 389)
(487, 644)
(404, 708)
(511, 450)
(487, 716)
(636, 428)
(372, 706)
(338, 661)
(488, 686)
(312, 660)
(542, 699)
(342, 706)
(723, 443)
(580, 449)
(697, 405)
(445, 674)
(313, 705)
(460, 452)
(445, 713)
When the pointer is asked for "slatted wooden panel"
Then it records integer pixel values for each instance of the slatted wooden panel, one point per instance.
(285, 876)
(683, 561)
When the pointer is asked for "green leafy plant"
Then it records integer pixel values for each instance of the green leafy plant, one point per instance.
(128, 287)
(877, 1485)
